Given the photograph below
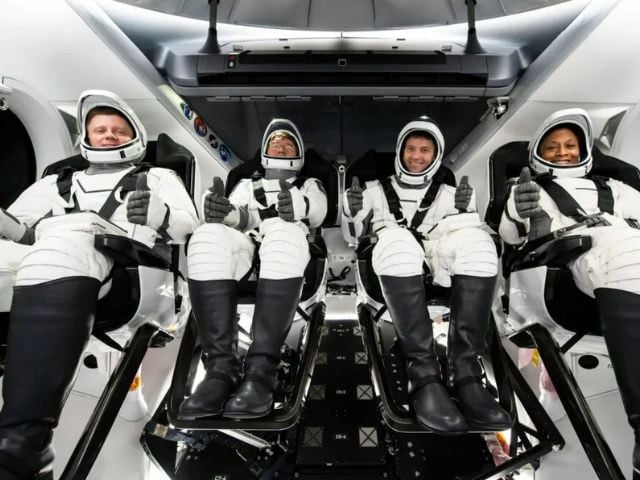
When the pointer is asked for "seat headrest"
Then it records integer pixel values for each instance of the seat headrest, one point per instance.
(176, 157)
(507, 161)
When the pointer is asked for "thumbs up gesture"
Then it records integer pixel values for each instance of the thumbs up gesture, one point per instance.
(216, 205)
(285, 202)
(463, 195)
(144, 207)
(527, 195)
(354, 197)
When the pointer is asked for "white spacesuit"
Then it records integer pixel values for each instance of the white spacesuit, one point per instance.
(419, 219)
(59, 275)
(50, 258)
(565, 199)
(272, 213)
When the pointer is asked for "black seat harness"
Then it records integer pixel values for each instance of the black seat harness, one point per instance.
(125, 185)
(269, 211)
(569, 207)
(395, 206)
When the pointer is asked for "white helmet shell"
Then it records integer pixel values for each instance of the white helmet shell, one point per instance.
(578, 121)
(428, 126)
(129, 152)
(287, 127)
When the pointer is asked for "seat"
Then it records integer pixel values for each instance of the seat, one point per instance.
(543, 302)
(387, 364)
(302, 343)
(131, 304)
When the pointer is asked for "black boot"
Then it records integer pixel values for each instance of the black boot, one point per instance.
(276, 302)
(49, 329)
(214, 304)
(619, 313)
(471, 300)
(406, 300)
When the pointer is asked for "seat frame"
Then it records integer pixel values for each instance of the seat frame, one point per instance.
(542, 269)
(137, 261)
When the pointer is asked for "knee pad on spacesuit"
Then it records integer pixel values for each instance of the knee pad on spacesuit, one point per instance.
(218, 252)
(63, 254)
(397, 253)
(612, 262)
(284, 252)
(469, 251)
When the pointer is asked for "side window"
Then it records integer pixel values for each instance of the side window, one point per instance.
(17, 158)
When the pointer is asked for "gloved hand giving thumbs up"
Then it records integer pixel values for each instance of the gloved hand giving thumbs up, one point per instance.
(463, 195)
(292, 204)
(216, 205)
(144, 207)
(354, 197)
(527, 195)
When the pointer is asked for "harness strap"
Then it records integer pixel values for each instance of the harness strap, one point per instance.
(393, 201)
(568, 205)
(269, 211)
(429, 197)
(395, 205)
(605, 196)
(125, 185)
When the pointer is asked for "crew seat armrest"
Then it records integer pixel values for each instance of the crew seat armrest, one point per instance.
(365, 246)
(554, 253)
(131, 253)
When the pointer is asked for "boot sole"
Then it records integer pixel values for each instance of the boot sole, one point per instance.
(446, 433)
(245, 415)
(199, 414)
(490, 428)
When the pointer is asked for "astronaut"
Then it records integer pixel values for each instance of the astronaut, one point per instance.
(418, 219)
(59, 276)
(272, 214)
(564, 198)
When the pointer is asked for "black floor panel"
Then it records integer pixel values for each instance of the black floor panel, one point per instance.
(340, 425)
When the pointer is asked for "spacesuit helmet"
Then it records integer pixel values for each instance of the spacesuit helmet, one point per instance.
(577, 121)
(131, 151)
(422, 125)
(280, 129)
